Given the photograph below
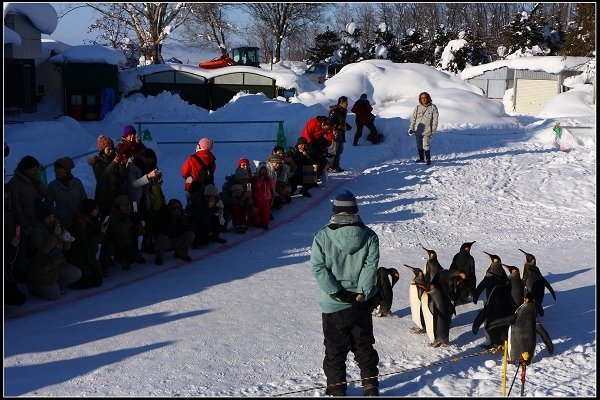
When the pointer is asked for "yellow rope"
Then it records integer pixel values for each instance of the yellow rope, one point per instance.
(456, 359)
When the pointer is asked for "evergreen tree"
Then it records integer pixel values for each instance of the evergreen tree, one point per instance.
(523, 34)
(325, 45)
(552, 33)
(436, 47)
(476, 52)
(382, 44)
(580, 38)
(412, 48)
(351, 49)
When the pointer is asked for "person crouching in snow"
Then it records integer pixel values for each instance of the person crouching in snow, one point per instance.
(205, 210)
(174, 232)
(262, 191)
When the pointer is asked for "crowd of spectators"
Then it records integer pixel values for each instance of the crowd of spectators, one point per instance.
(57, 238)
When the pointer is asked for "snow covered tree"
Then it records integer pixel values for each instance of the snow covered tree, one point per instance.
(325, 45)
(412, 48)
(383, 44)
(454, 56)
(523, 36)
(351, 49)
(438, 42)
(476, 51)
(580, 38)
(151, 23)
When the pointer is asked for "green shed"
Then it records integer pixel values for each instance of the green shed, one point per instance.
(190, 87)
(225, 87)
(90, 89)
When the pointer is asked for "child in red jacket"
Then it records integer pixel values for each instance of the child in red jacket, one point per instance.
(262, 189)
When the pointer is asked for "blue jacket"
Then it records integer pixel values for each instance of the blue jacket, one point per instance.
(344, 258)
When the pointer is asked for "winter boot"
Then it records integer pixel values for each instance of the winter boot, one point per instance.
(370, 390)
(428, 157)
(336, 390)
(421, 156)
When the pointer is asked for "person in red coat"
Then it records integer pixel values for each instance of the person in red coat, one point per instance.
(362, 110)
(200, 166)
(129, 146)
(318, 132)
(262, 192)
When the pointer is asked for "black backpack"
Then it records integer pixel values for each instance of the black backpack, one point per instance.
(206, 174)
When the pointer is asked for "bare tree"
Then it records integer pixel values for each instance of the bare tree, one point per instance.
(366, 19)
(151, 23)
(208, 26)
(284, 19)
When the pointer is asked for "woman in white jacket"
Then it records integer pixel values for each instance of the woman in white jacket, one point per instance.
(423, 124)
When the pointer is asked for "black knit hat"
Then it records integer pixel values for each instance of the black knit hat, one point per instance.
(26, 163)
(345, 202)
(301, 140)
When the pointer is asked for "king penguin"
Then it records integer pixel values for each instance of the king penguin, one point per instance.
(517, 287)
(432, 266)
(445, 281)
(437, 315)
(523, 327)
(498, 303)
(494, 275)
(385, 289)
(535, 283)
(464, 262)
(415, 291)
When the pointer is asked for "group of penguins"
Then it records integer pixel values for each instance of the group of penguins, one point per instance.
(511, 308)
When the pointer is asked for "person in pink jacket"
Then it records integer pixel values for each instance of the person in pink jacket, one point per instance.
(262, 191)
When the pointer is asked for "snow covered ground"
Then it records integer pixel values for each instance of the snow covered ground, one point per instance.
(242, 319)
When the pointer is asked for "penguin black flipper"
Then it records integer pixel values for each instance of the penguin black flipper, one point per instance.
(479, 320)
(539, 329)
(478, 290)
(539, 309)
(549, 287)
(395, 275)
(509, 320)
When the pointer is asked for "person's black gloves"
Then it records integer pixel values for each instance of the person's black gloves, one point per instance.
(345, 296)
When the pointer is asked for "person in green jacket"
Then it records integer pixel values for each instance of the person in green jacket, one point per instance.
(344, 260)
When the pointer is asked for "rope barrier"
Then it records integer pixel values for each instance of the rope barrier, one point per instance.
(223, 141)
(455, 359)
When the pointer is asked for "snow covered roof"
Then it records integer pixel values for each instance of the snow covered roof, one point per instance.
(90, 54)
(11, 36)
(550, 64)
(42, 15)
(284, 78)
(51, 47)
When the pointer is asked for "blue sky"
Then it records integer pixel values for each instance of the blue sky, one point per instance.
(73, 27)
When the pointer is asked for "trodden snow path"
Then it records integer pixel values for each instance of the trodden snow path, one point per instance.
(175, 321)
